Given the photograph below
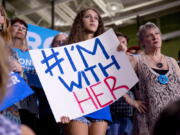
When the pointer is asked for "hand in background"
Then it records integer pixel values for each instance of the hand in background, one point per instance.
(139, 105)
(121, 48)
(16, 66)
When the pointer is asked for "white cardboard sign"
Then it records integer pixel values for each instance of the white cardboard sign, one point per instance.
(84, 77)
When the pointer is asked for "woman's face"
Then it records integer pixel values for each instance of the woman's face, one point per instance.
(123, 43)
(18, 30)
(90, 21)
(60, 40)
(152, 38)
(2, 18)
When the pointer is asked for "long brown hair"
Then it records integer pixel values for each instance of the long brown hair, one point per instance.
(4, 68)
(5, 32)
(77, 30)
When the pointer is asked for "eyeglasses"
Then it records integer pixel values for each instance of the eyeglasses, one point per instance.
(59, 43)
(23, 28)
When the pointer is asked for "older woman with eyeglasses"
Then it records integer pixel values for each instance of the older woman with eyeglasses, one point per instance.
(18, 32)
(59, 40)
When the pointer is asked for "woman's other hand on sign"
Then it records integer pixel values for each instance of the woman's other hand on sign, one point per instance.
(64, 120)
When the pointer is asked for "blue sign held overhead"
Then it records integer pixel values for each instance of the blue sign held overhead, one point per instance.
(39, 37)
(17, 90)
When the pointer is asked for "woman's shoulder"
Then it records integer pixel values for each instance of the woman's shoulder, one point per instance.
(171, 59)
(7, 127)
(174, 64)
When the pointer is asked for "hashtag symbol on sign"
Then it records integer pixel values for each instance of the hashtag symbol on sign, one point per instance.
(46, 60)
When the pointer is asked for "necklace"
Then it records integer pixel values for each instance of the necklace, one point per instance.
(158, 64)
(161, 78)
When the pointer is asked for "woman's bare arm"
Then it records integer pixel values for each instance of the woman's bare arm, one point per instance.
(139, 105)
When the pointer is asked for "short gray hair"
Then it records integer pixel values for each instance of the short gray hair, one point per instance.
(143, 28)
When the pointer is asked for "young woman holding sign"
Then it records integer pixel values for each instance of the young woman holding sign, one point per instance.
(87, 24)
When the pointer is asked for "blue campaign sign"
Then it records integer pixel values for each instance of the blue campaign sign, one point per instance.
(24, 59)
(17, 90)
(39, 37)
(28, 68)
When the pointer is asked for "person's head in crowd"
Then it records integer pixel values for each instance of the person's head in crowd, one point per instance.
(19, 28)
(168, 122)
(123, 41)
(59, 40)
(148, 40)
(87, 24)
(4, 25)
(4, 69)
(19, 31)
